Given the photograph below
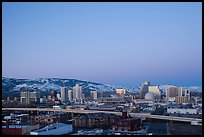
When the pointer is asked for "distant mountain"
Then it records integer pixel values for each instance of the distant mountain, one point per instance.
(45, 85)
(12, 86)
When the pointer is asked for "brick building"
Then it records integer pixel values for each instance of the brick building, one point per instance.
(126, 123)
(94, 120)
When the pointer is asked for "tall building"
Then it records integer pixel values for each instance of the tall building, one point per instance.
(77, 92)
(154, 89)
(70, 95)
(64, 94)
(173, 92)
(93, 95)
(144, 89)
(180, 91)
(28, 97)
(120, 91)
(187, 94)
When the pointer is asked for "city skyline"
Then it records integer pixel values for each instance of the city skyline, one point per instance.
(113, 43)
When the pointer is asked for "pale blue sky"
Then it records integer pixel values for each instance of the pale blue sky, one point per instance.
(113, 43)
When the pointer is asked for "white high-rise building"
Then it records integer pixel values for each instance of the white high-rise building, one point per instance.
(64, 94)
(70, 95)
(77, 92)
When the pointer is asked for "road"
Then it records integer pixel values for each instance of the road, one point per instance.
(139, 115)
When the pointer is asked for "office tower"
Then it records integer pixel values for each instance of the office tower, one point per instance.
(70, 95)
(64, 94)
(28, 97)
(187, 94)
(93, 95)
(154, 89)
(77, 92)
(173, 92)
(180, 91)
(120, 91)
(144, 89)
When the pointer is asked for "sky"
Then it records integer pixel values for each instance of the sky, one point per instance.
(120, 43)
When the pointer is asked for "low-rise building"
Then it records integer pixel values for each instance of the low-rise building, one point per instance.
(94, 120)
(182, 111)
(120, 91)
(127, 124)
(111, 100)
(181, 99)
(17, 129)
(54, 129)
(44, 120)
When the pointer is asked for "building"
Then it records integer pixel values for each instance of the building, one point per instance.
(70, 95)
(43, 119)
(128, 98)
(77, 92)
(28, 97)
(182, 111)
(187, 94)
(50, 118)
(126, 123)
(155, 90)
(58, 96)
(93, 95)
(18, 129)
(54, 129)
(172, 99)
(110, 100)
(43, 100)
(121, 91)
(136, 96)
(17, 125)
(173, 92)
(78, 96)
(94, 120)
(64, 94)
(181, 99)
(150, 96)
(144, 89)
(81, 121)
